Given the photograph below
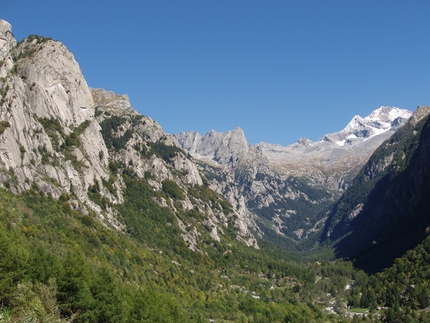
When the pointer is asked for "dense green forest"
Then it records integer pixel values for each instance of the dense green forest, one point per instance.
(58, 265)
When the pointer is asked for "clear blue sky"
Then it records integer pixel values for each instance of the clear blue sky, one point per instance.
(280, 70)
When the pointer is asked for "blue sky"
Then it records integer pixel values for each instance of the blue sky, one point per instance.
(280, 70)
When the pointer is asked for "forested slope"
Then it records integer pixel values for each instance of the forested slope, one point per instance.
(58, 264)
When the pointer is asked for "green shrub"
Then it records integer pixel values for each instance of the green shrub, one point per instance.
(172, 190)
(3, 125)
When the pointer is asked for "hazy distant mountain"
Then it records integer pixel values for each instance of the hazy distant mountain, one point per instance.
(335, 159)
(283, 189)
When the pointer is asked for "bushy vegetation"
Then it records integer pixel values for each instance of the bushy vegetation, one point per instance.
(402, 290)
(3, 93)
(163, 151)
(110, 127)
(58, 263)
(3, 125)
(172, 189)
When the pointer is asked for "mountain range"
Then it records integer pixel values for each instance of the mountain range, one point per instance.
(131, 224)
(283, 189)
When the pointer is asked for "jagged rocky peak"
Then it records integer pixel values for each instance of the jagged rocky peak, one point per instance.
(304, 141)
(118, 104)
(420, 113)
(189, 140)
(7, 41)
(221, 147)
(109, 104)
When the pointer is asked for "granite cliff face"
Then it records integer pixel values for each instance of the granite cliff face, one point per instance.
(7, 42)
(79, 144)
(44, 100)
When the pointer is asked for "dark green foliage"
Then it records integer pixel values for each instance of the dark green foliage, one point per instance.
(145, 219)
(402, 290)
(72, 140)
(3, 125)
(51, 125)
(110, 127)
(162, 309)
(3, 93)
(114, 166)
(204, 193)
(172, 190)
(53, 129)
(11, 264)
(30, 46)
(98, 111)
(81, 128)
(163, 151)
(37, 38)
(96, 197)
(104, 275)
(47, 243)
(226, 206)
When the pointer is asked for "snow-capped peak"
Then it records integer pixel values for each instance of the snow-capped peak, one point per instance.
(389, 114)
(378, 122)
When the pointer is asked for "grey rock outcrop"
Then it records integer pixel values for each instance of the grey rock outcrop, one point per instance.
(7, 41)
(222, 148)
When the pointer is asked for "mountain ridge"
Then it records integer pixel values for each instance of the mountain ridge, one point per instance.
(374, 128)
(283, 189)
